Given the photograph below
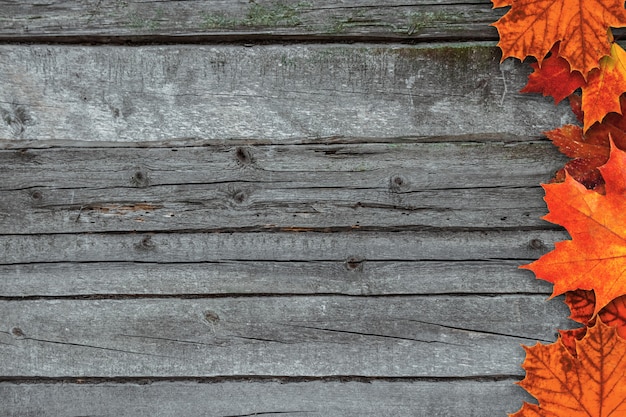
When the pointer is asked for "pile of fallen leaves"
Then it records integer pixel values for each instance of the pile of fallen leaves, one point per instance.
(584, 372)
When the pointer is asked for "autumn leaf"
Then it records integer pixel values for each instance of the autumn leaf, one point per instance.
(595, 258)
(605, 85)
(570, 337)
(592, 384)
(589, 149)
(501, 3)
(553, 78)
(600, 94)
(582, 305)
(589, 152)
(532, 27)
(576, 103)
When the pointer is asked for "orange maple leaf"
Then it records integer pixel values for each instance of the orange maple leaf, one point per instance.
(532, 27)
(595, 258)
(600, 94)
(501, 3)
(605, 85)
(591, 384)
(582, 305)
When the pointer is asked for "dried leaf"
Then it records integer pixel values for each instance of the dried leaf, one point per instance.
(501, 3)
(532, 27)
(582, 305)
(595, 258)
(591, 384)
(605, 85)
(590, 149)
(553, 78)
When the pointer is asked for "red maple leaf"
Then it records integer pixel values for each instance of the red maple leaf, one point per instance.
(553, 78)
(589, 149)
(600, 93)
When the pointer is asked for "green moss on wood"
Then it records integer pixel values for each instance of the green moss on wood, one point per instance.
(142, 22)
(258, 15)
(417, 21)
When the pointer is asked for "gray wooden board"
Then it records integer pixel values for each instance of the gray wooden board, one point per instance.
(203, 212)
(395, 185)
(417, 20)
(442, 245)
(351, 276)
(148, 93)
(313, 398)
(395, 336)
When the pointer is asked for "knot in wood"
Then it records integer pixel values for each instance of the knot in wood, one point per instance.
(536, 244)
(243, 156)
(211, 317)
(17, 332)
(146, 244)
(397, 183)
(354, 264)
(239, 196)
(140, 178)
(36, 195)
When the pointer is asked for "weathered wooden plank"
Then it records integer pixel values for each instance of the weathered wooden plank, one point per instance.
(352, 276)
(232, 398)
(418, 336)
(444, 245)
(184, 20)
(425, 165)
(148, 93)
(404, 185)
(261, 206)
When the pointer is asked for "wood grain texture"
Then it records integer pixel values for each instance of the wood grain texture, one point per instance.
(122, 94)
(242, 19)
(416, 336)
(352, 276)
(394, 185)
(202, 215)
(350, 399)
(445, 245)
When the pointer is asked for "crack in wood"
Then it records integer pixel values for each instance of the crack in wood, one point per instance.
(266, 413)
(365, 334)
(165, 339)
(260, 339)
(282, 379)
(476, 331)
(55, 342)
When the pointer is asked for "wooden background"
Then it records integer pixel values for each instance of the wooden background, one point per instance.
(237, 208)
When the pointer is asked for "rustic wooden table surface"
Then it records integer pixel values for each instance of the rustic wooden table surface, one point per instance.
(297, 208)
